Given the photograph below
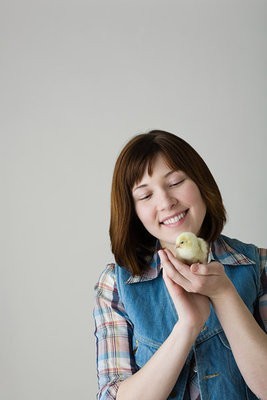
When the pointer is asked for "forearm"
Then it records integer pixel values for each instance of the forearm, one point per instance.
(247, 340)
(155, 380)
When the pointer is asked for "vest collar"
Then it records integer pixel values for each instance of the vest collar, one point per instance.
(220, 250)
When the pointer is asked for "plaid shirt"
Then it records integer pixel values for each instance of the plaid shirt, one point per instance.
(115, 360)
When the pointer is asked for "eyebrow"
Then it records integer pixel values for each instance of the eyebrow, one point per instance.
(145, 184)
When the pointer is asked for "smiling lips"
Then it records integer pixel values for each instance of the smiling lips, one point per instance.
(174, 220)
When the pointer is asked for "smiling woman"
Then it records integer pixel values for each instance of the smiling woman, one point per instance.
(168, 202)
(152, 310)
(147, 157)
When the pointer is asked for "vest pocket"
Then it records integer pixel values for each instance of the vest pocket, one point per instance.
(143, 349)
(224, 340)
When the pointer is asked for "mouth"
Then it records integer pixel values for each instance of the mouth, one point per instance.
(174, 219)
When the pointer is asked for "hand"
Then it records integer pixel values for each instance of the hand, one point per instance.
(206, 279)
(192, 308)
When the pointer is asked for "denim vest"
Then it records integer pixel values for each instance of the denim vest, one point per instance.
(152, 314)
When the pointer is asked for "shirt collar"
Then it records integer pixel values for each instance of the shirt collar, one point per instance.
(220, 251)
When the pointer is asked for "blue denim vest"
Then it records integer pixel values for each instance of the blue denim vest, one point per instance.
(152, 314)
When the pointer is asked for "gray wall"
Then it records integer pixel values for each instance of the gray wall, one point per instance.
(78, 79)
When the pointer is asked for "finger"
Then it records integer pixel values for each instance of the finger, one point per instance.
(168, 282)
(213, 268)
(174, 260)
(172, 272)
(167, 259)
(182, 268)
(162, 255)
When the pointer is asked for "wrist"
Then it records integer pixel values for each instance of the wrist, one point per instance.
(222, 296)
(189, 331)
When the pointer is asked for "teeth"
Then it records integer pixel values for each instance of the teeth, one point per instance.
(174, 219)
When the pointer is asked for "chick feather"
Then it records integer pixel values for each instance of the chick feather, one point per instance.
(191, 249)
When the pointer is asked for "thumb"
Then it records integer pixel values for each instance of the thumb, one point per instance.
(213, 268)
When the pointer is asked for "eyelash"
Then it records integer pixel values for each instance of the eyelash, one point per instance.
(176, 183)
(171, 185)
(145, 197)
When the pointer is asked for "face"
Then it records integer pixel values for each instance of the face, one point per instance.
(168, 203)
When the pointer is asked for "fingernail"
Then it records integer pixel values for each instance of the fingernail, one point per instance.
(194, 267)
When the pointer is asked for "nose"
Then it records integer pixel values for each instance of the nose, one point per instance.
(165, 201)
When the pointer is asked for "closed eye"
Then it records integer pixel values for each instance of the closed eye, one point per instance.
(176, 183)
(145, 197)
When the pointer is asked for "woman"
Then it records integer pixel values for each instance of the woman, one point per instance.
(166, 330)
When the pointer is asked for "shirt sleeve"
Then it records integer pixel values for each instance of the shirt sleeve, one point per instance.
(113, 332)
(263, 293)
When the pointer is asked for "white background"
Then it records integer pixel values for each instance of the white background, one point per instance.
(78, 79)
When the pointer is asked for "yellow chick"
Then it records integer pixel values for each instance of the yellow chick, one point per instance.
(191, 249)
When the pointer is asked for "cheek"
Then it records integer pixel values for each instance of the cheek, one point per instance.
(194, 197)
(201, 208)
(140, 212)
(144, 214)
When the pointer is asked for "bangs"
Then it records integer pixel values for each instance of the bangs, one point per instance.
(138, 166)
(139, 157)
(140, 163)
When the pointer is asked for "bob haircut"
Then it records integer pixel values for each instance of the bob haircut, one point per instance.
(132, 245)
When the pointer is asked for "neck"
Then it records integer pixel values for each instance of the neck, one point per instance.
(169, 246)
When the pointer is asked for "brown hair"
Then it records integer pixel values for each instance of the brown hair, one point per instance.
(132, 245)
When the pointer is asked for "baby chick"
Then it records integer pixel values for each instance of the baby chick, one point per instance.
(191, 249)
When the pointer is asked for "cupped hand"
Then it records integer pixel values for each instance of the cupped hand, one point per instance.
(207, 279)
(192, 308)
